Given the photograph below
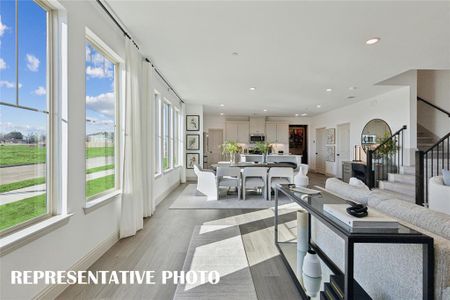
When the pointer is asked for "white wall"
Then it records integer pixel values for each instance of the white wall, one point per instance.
(393, 107)
(66, 246)
(434, 86)
(195, 109)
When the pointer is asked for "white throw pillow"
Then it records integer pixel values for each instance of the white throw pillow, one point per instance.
(358, 183)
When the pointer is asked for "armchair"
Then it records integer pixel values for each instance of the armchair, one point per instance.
(206, 183)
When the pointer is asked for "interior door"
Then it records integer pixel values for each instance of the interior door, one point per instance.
(343, 146)
(215, 140)
(320, 150)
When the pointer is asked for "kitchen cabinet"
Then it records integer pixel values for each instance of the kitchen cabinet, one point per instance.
(237, 131)
(257, 125)
(277, 133)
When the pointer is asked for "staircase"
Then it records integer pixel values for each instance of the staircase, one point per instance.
(425, 139)
(401, 185)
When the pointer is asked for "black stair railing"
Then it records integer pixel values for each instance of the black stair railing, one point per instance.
(429, 163)
(385, 158)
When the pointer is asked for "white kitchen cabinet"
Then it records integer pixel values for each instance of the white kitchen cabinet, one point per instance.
(231, 131)
(237, 131)
(257, 125)
(243, 133)
(282, 133)
(271, 132)
(277, 133)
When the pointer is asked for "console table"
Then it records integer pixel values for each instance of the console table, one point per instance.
(313, 205)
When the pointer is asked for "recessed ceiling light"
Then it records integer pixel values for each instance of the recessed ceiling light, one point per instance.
(252, 88)
(265, 109)
(221, 114)
(328, 90)
(296, 115)
(222, 105)
(318, 106)
(304, 114)
(352, 88)
(372, 41)
(235, 53)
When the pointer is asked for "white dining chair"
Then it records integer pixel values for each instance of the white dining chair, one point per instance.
(254, 178)
(278, 176)
(206, 183)
(229, 177)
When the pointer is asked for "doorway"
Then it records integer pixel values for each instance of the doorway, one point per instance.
(215, 141)
(298, 141)
(343, 147)
(320, 150)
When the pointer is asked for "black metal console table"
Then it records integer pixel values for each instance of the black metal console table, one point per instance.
(313, 205)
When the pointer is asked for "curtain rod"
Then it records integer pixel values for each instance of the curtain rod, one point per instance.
(146, 59)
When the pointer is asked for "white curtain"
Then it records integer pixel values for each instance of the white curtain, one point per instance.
(148, 123)
(135, 172)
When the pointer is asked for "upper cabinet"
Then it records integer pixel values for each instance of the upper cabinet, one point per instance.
(257, 125)
(238, 131)
(277, 133)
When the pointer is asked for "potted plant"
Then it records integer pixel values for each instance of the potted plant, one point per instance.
(264, 148)
(231, 148)
(385, 154)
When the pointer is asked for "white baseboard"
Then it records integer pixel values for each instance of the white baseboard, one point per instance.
(52, 291)
(166, 193)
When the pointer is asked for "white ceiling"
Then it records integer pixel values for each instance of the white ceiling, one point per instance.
(290, 51)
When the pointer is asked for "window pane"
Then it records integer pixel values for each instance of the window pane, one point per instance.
(8, 52)
(32, 55)
(23, 133)
(166, 162)
(100, 123)
(157, 135)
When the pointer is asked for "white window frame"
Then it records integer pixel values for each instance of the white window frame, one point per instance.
(177, 136)
(117, 61)
(169, 127)
(158, 133)
(55, 116)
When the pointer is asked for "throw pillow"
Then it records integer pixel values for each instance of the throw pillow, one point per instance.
(358, 183)
(446, 177)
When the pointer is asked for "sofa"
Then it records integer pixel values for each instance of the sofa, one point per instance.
(391, 271)
(438, 195)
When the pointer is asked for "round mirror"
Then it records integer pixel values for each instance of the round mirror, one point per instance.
(374, 131)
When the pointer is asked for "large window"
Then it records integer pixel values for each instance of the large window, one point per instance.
(25, 107)
(101, 121)
(176, 137)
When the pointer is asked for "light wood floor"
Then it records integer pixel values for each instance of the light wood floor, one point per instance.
(163, 243)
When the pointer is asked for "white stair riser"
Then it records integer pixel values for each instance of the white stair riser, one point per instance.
(402, 178)
(406, 189)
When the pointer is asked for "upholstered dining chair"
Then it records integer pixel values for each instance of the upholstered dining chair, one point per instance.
(206, 183)
(254, 178)
(229, 177)
(278, 176)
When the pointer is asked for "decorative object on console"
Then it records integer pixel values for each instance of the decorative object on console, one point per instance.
(357, 154)
(192, 159)
(312, 285)
(311, 265)
(192, 122)
(374, 219)
(300, 178)
(192, 142)
(302, 231)
(357, 210)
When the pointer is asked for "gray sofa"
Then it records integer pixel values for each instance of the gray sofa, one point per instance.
(391, 271)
